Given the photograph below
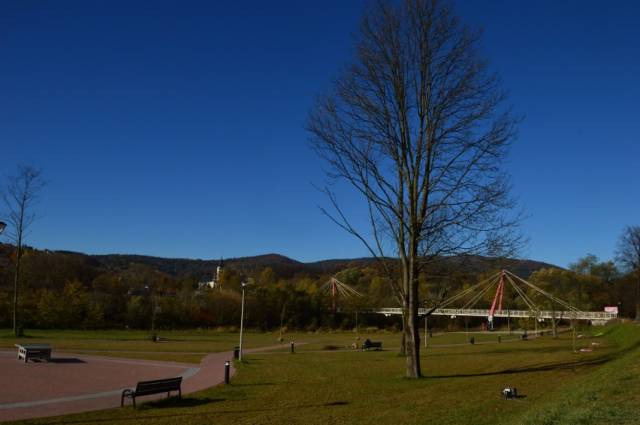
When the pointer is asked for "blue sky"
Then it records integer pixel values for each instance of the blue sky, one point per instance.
(178, 129)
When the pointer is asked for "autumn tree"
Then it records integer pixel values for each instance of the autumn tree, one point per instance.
(417, 125)
(590, 264)
(19, 197)
(628, 255)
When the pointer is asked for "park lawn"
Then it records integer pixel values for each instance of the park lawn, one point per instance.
(191, 346)
(608, 395)
(462, 386)
(183, 346)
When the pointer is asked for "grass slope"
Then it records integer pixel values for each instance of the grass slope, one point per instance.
(608, 395)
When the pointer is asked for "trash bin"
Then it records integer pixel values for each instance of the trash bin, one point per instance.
(236, 353)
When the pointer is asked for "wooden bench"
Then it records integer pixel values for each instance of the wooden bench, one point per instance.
(34, 351)
(371, 345)
(153, 387)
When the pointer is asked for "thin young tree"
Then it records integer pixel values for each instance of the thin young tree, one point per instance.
(417, 125)
(628, 255)
(20, 196)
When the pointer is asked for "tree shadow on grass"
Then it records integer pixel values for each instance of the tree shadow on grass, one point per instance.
(256, 384)
(336, 403)
(175, 417)
(508, 350)
(532, 368)
(248, 360)
(175, 402)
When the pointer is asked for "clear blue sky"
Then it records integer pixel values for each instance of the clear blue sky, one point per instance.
(176, 128)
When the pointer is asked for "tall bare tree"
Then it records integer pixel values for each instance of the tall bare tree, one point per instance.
(20, 197)
(417, 125)
(628, 255)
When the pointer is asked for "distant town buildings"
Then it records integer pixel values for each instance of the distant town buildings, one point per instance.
(215, 283)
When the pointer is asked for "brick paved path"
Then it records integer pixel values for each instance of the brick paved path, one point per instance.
(77, 383)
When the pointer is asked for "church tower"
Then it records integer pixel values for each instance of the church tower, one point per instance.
(218, 271)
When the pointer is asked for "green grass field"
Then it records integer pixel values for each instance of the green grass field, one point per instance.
(186, 346)
(182, 346)
(323, 383)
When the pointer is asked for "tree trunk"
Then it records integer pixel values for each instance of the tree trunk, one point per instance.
(411, 324)
(637, 298)
(16, 282)
(411, 343)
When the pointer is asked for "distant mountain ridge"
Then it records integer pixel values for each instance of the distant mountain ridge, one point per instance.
(284, 266)
(287, 267)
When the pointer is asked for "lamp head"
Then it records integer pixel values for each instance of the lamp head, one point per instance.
(246, 282)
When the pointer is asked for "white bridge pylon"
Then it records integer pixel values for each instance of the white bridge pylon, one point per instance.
(500, 281)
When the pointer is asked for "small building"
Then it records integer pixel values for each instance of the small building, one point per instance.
(215, 283)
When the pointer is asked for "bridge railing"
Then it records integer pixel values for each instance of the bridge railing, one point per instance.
(541, 314)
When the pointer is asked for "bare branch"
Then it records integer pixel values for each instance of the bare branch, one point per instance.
(419, 127)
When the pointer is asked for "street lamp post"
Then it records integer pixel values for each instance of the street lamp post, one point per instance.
(619, 311)
(243, 284)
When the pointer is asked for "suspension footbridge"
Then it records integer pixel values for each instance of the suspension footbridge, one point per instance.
(522, 289)
(541, 314)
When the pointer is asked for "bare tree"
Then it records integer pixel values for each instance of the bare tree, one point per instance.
(20, 196)
(416, 124)
(628, 255)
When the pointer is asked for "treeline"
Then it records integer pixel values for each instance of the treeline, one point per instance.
(65, 290)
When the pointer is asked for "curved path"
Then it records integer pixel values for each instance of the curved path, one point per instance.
(77, 383)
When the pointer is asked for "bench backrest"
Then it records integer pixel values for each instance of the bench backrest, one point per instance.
(158, 386)
(34, 347)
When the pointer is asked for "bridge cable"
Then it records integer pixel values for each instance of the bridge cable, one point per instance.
(465, 292)
(548, 295)
(524, 296)
(474, 300)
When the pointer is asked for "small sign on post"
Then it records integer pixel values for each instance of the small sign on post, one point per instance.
(611, 309)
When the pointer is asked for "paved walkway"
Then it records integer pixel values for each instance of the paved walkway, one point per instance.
(77, 383)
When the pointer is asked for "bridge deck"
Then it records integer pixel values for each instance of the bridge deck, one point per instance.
(542, 314)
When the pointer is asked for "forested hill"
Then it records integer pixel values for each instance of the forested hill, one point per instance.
(283, 266)
(287, 267)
